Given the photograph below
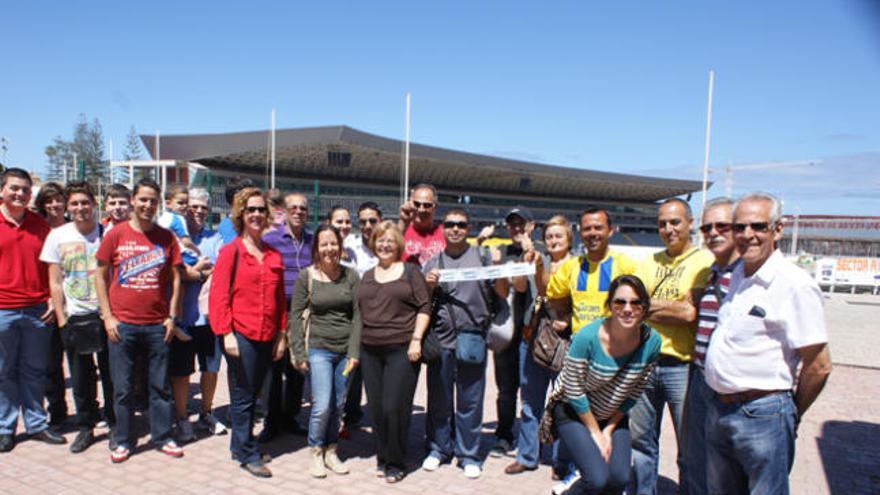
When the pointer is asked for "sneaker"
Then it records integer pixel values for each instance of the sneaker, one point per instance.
(102, 424)
(171, 449)
(431, 463)
(184, 431)
(567, 482)
(119, 454)
(472, 471)
(501, 448)
(210, 424)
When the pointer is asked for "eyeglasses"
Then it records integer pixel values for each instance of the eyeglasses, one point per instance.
(365, 221)
(450, 225)
(256, 209)
(620, 303)
(755, 226)
(295, 208)
(721, 227)
(426, 206)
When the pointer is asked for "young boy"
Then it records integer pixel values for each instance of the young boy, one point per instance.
(174, 219)
(117, 206)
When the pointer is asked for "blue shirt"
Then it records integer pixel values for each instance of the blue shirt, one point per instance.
(209, 243)
(295, 254)
(227, 230)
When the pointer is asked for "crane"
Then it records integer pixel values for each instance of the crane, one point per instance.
(730, 169)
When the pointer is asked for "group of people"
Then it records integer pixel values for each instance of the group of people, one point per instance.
(731, 337)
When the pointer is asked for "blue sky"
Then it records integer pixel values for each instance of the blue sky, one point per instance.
(615, 86)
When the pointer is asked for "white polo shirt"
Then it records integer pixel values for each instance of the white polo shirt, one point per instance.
(362, 259)
(762, 323)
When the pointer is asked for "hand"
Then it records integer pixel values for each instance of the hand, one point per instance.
(606, 432)
(485, 233)
(414, 353)
(525, 242)
(203, 264)
(111, 325)
(303, 367)
(407, 212)
(230, 345)
(279, 347)
(560, 325)
(530, 256)
(527, 332)
(61, 321)
(49, 315)
(350, 365)
(433, 278)
(603, 443)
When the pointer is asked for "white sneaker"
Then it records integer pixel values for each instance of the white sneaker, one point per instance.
(102, 424)
(566, 483)
(210, 424)
(184, 431)
(431, 463)
(472, 471)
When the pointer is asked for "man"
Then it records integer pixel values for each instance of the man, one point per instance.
(423, 239)
(457, 387)
(138, 284)
(24, 312)
(226, 229)
(285, 389)
(117, 205)
(70, 253)
(369, 216)
(771, 324)
(675, 278)
(718, 238)
(205, 345)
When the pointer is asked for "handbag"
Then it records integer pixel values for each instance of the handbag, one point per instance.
(306, 318)
(501, 329)
(431, 347)
(84, 334)
(205, 290)
(549, 348)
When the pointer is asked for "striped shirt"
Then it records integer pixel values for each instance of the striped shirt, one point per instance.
(591, 380)
(717, 285)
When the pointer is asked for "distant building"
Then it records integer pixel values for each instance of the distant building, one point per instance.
(832, 235)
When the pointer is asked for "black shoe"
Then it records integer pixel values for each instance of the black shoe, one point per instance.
(257, 469)
(7, 442)
(49, 437)
(268, 434)
(84, 439)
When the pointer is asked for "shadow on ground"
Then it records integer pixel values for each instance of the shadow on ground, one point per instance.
(850, 457)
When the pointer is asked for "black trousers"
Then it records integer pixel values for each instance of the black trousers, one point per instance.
(283, 398)
(55, 388)
(507, 381)
(84, 376)
(390, 380)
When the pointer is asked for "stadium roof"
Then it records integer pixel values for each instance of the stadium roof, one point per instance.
(341, 153)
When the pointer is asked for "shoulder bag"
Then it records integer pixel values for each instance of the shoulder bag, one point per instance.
(549, 348)
(306, 319)
(431, 346)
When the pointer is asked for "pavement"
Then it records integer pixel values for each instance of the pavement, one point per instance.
(836, 446)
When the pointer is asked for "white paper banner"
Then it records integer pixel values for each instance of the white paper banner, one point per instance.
(487, 272)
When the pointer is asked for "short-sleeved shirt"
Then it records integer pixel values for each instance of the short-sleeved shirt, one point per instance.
(686, 272)
(24, 279)
(177, 225)
(74, 253)
(296, 254)
(140, 276)
(587, 283)
(227, 230)
(763, 322)
(362, 258)
(209, 243)
(422, 246)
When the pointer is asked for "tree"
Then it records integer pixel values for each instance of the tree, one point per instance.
(88, 144)
(133, 146)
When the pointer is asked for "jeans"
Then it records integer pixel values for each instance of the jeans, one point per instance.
(667, 384)
(533, 380)
(750, 446)
(329, 389)
(55, 388)
(507, 379)
(576, 443)
(134, 339)
(24, 347)
(246, 375)
(390, 380)
(468, 383)
(696, 405)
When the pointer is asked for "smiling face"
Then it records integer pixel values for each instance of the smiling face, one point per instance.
(16, 193)
(198, 211)
(329, 250)
(387, 249)
(424, 203)
(455, 229)
(146, 202)
(256, 216)
(626, 307)
(368, 218)
(717, 233)
(81, 209)
(119, 208)
(54, 209)
(755, 245)
(595, 233)
(178, 203)
(556, 241)
(297, 209)
(516, 227)
(674, 227)
(341, 219)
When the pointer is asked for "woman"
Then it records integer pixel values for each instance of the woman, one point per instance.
(605, 372)
(330, 350)
(534, 379)
(247, 309)
(50, 204)
(395, 308)
(340, 218)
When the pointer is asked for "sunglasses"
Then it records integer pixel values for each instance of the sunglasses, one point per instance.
(620, 303)
(370, 221)
(426, 206)
(721, 227)
(256, 209)
(755, 226)
(461, 225)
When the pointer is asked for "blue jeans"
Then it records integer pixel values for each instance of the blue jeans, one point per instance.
(132, 340)
(468, 382)
(750, 445)
(696, 405)
(667, 384)
(598, 476)
(534, 380)
(24, 350)
(246, 374)
(329, 389)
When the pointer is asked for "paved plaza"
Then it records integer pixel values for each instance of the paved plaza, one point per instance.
(836, 449)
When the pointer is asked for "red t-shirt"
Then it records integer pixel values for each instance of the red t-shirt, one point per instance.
(422, 246)
(140, 275)
(24, 279)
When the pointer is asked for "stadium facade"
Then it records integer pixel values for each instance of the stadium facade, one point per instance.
(338, 165)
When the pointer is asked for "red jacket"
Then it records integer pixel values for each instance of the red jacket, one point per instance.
(257, 309)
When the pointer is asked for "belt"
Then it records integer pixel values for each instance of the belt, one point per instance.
(748, 395)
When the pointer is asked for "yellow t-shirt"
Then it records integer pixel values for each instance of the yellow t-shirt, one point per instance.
(689, 271)
(586, 283)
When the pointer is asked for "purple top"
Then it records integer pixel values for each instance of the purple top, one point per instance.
(296, 255)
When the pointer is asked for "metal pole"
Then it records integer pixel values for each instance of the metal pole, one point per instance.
(272, 183)
(64, 171)
(794, 233)
(406, 154)
(708, 139)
